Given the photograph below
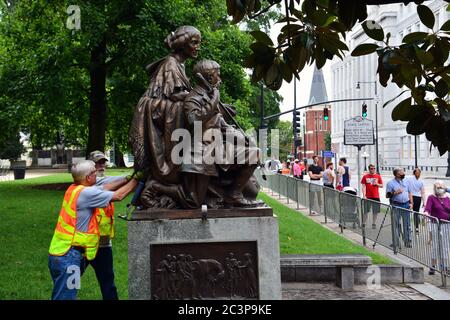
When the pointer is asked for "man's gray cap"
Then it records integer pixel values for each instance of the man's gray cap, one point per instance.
(97, 156)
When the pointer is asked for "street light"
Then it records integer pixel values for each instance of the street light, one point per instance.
(358, 86)
(365, 155)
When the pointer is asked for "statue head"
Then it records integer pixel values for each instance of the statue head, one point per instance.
(210, 70)
(185, 39)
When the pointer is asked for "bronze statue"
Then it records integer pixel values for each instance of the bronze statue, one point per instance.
(158, 113)
(163, 109)
(224, 178)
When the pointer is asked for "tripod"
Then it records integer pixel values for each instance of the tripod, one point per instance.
(381, 227)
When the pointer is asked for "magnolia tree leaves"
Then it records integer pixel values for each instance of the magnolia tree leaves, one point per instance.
(314, 31)
(313, 34)
(420, 64)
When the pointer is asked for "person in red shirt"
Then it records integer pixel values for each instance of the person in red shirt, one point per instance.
(371, 183)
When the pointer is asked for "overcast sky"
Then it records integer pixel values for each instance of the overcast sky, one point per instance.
(304, 85)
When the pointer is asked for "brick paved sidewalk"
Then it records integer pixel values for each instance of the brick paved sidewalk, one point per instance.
(329, 291)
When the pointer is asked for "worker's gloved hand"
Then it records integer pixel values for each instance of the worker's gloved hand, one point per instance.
(139, 175)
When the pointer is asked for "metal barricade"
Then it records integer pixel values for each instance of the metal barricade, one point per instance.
(270, 182)
(420, 237)
(351, 217)
(292, 189)
(402, 219)
(303, 193)
(376, 223)
(276, 183)
(316, 202)
(444, 248)
(332, 208)
(259, 177)
(283, 186)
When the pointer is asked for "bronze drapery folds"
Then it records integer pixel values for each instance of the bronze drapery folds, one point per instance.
(162, 110)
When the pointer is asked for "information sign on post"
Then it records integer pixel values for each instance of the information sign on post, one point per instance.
(358, 132)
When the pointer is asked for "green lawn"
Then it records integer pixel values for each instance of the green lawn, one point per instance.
(301, 235)
(27, 222)
(28, 217)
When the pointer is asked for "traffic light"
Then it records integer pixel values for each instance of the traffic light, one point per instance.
(364, 110)
(325, 114)
(296, 123)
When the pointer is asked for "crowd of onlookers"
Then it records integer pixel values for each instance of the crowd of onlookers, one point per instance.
(404, 194)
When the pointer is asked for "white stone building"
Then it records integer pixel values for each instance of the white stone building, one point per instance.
(395, 146)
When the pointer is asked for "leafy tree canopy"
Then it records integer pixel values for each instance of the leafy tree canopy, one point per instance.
(85, 83)
(313, 32)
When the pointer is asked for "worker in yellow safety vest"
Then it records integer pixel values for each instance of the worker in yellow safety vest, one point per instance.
(103, 262)
(77, 232)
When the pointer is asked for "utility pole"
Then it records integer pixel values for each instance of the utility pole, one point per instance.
(316, 129)
(296, 122)
(261, 107)
(304, 135)
(415, 151)
(376, 128)
(376, 119)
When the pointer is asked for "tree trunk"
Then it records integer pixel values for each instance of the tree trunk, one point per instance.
(97, 99)
(119, 158)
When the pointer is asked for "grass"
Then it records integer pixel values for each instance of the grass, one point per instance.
(28, 217)
(301, 235)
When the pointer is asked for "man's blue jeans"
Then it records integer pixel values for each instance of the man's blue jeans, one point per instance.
(103, 266)
(402, 218)
(66, 272)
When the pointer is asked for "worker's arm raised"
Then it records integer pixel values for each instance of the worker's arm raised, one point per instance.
(124, 191)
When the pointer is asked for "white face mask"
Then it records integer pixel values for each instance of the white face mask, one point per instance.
(440, 191)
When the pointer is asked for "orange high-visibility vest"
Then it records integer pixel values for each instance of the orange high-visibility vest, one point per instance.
(105, 220)
(66, 234)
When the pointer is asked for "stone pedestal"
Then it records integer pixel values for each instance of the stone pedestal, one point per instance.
(229, 254)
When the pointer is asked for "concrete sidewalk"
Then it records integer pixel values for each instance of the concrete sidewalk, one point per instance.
(34, 173)
(430, 281)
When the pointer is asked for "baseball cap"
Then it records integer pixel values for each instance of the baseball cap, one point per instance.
(97, 156)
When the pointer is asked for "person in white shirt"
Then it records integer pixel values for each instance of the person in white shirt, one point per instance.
(417, 189)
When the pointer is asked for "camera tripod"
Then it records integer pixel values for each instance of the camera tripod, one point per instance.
(381, 227)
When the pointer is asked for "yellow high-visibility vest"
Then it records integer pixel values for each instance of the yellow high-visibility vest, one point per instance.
(105, 220)
(66, 234)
